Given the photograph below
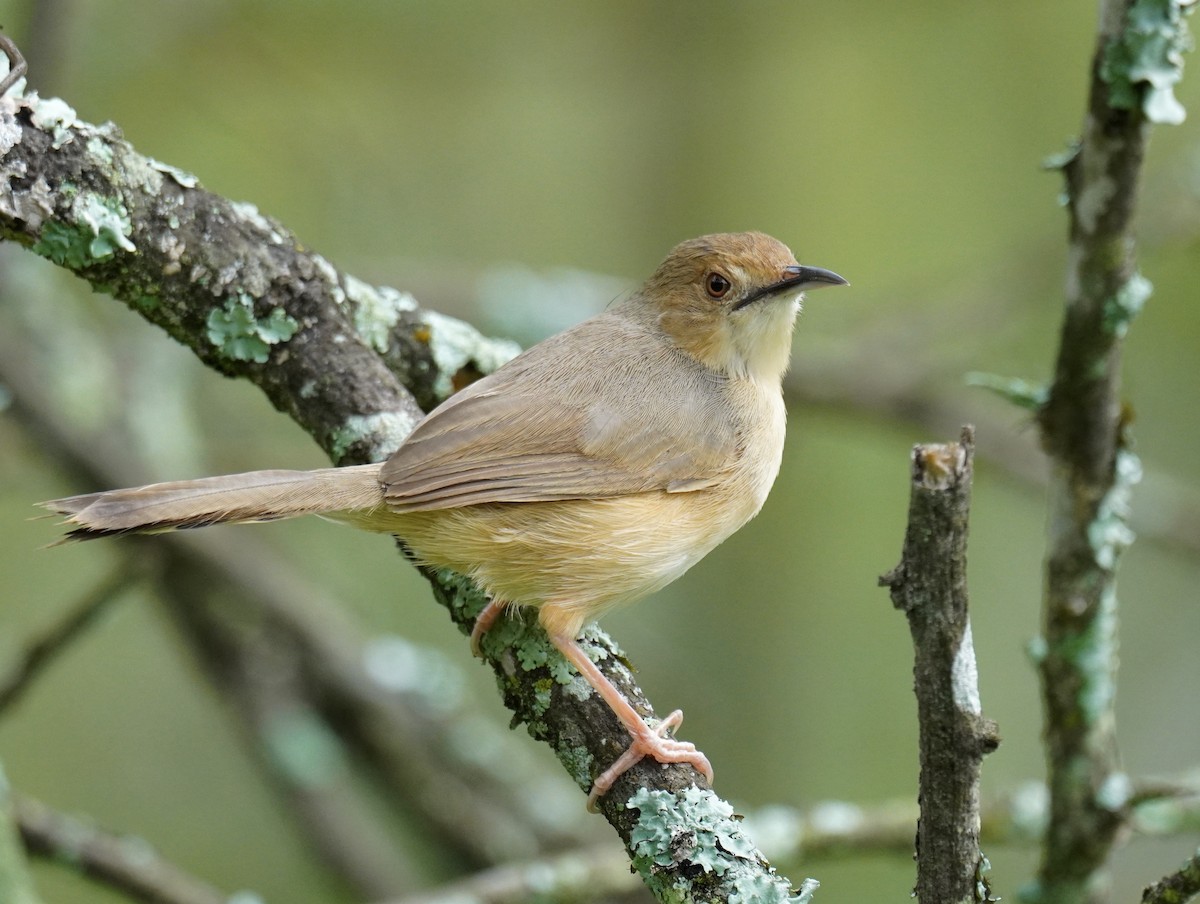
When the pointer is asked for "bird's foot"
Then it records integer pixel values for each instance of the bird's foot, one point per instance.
(652, 742)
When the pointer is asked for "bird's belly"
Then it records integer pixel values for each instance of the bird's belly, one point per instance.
(582, 557)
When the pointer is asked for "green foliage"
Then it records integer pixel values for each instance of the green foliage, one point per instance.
(1144, 62)
(239, 335)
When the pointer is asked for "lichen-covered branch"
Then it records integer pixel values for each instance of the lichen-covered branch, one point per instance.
(268, 633)
(233, 285)
(930, 587)
(1014, 818)
(352, 365)
(1136, 63)
(1179, 887)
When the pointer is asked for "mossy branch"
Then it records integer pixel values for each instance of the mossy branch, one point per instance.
(1136, 63)
(353, 365)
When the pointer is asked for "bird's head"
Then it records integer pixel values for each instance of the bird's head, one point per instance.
(730, 301)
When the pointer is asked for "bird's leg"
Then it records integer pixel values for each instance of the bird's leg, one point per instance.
(646, 741)
(484, 621)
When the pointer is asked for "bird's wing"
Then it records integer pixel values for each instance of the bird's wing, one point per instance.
(546, 428)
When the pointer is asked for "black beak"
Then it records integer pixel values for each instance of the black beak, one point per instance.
(797, 279)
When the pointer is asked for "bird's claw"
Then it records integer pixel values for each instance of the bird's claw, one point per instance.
(653, 742)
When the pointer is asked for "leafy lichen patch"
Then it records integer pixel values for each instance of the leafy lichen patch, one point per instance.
(53, 115)
(695, 833)
(1144, 62)
(381, 432)
(455, 344)
(376, 311)
(93, 230)
(241, 336)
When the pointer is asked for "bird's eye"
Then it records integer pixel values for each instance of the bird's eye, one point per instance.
(717, 285)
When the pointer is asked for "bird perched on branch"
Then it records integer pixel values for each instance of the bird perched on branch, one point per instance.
(591, 470)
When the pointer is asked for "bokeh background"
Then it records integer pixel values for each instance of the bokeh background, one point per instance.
(519, 165)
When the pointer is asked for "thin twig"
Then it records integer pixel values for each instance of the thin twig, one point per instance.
(1017, 818)
(41, 651)
(125, 863)
(587, 874)
(930, 587)
(16, 64)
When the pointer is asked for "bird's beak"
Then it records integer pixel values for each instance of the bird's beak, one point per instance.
(796, 279)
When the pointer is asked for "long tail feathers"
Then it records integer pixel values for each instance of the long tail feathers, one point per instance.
(252, 496)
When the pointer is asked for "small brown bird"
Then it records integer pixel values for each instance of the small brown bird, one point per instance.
(589, 471)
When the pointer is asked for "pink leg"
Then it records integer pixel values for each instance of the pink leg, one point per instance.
(484, 621)
(646, 741)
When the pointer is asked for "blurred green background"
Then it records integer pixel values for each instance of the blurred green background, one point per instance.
(493, 158)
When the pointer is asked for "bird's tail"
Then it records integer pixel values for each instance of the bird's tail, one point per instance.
(252, 496)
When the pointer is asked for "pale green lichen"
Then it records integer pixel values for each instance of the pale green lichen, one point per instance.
(241, 336)
(1109, 533)
(376, 311)
(454, 344)
(1036, 649)
(303, 748)
(696, 826)
(1092, 654)
(1126, 304)
(53, 115)
(1021, 393)
(381, 432)
(95, 228)
(697, 829)
(100, 149)
(1144, 62)
(463, 596)
(1060, 160)
(182, 177)
(763, 888)
(578, 762)
(329, 274)
(10, 136)
(252, 215)
(1115, 792)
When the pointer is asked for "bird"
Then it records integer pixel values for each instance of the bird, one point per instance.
(589, 471)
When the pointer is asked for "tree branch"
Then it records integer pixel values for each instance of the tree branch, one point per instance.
(1083, 430)
(128, 864)
(930, 587)
(237, 289)
(1177, 888)
(44, 649)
